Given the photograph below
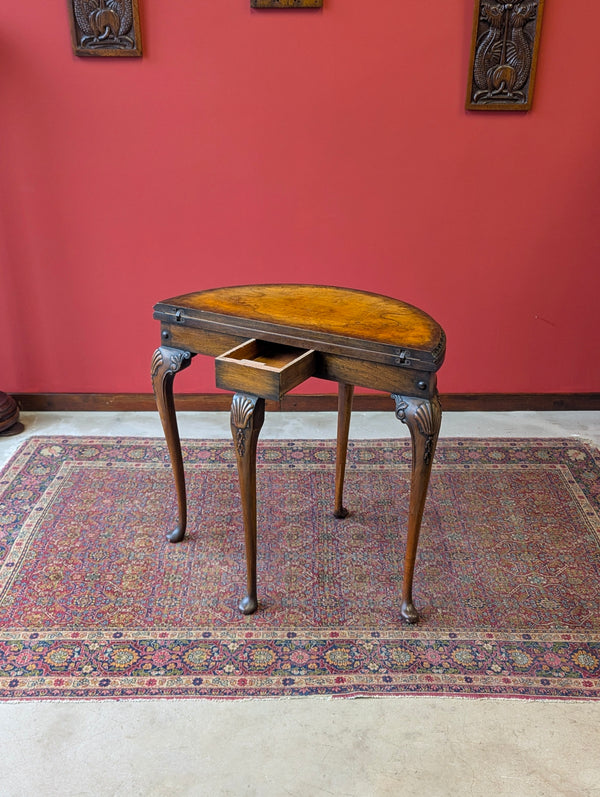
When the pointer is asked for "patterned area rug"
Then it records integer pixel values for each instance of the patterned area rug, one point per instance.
(95, 603)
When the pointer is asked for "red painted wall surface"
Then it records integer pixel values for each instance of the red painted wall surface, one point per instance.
(328, 147)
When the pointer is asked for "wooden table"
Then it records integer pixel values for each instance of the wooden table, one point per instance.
(266, 340)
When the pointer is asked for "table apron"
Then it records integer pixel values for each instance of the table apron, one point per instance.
(333, 367)
(400, 356)
(361, 373)
(198, 341)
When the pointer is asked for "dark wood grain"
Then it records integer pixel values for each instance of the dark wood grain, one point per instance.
(423, 418)
(247, 417)
(504, 53)
(166, 363)
(345, 401)
(286, 3)
(105, 28)
(264, 369)
(301, 402)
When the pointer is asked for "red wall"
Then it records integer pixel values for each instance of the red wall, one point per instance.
(330, 147)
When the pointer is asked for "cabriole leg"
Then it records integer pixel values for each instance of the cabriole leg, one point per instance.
(345, 396)
(423, 418)
(247, 416)
(166, 362)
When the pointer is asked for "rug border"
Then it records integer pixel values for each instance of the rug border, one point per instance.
(438, 689)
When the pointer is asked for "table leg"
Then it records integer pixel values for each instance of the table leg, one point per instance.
(423, 418)
(345, 396)
(247, 416)
(166, 362)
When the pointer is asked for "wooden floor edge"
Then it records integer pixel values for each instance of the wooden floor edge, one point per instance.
(214, 402)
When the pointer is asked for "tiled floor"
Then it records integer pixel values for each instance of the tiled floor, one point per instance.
(304, 747)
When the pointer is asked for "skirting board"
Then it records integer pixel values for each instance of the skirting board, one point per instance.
(297, 402)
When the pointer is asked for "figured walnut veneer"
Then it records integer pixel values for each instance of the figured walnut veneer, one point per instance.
(339, 319)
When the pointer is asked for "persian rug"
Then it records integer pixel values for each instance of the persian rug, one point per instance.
(95, 603)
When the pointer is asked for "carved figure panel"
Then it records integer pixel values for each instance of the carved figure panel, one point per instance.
(504, 51)
(286, 3)
(105, 27)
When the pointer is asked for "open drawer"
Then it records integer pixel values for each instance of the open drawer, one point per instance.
(263, 369)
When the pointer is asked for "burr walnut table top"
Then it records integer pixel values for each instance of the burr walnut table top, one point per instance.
(335, 320)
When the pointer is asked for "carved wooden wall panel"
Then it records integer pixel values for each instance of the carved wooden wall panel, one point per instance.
(504, 50)
(286, 3)
(105, 27)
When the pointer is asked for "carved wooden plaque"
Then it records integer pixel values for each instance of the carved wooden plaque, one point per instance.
(105, 27)
(504, 50)
(286, 3)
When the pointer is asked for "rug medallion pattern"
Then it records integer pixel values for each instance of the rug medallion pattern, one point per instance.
(95, 603)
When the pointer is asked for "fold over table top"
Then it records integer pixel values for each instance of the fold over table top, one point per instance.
(336, 320)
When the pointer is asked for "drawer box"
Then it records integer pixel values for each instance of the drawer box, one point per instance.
(263, 369)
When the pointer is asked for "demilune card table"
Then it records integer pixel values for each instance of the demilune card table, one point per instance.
(267, 339)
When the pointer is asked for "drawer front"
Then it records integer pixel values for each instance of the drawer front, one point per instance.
(264, 369)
